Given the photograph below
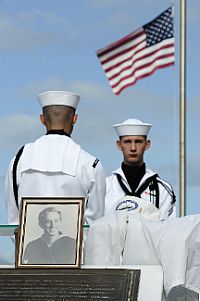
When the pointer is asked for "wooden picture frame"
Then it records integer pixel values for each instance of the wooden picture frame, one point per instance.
(50, 232)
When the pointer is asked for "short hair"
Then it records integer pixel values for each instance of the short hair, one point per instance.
(44, 212)
(58, 113)
(145, 136)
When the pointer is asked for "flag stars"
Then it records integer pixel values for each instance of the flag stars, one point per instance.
(124, 66)
(159, 29)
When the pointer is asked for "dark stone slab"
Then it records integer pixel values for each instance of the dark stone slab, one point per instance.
(69, 285)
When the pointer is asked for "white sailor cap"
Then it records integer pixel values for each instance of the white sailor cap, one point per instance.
(132, 127)
(64, 98)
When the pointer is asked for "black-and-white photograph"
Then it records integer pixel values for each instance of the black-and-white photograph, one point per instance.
(50, 232)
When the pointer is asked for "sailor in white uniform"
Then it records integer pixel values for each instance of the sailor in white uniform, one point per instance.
(54, 165)
(133, 178)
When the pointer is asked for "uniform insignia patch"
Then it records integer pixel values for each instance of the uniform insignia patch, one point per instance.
(129, 205)
(95, 163)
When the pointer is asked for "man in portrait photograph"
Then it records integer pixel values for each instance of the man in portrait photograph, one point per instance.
(52, 247)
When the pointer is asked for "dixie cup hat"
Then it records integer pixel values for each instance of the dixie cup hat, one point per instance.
(65, 98)
(132, 127)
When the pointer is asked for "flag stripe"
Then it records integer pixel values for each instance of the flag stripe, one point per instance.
(125, 55)
(133, 73)
(141, 60)
(140, 53)
(133, 80)
(144, 53)
(123, 60)
(116, 45)
(123, 49)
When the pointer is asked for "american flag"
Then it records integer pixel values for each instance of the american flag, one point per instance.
(140, 53)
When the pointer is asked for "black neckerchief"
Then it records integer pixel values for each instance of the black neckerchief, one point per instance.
(133, 174)
(57, 132)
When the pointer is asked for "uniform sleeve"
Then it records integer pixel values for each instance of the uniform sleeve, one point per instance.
(167, 202)
(112, 194)
(13, 212)
(96, 195)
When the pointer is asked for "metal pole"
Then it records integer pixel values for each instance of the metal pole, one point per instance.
(182, 120)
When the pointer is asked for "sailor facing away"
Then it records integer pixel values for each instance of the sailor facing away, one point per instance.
(133, 178)
(54, 165)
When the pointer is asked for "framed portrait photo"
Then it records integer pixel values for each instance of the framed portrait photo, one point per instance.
(50, 232)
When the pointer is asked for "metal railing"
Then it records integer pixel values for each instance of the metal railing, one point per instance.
(9, 230)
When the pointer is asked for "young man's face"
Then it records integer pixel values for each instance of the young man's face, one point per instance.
(133, 148)
(51, 223)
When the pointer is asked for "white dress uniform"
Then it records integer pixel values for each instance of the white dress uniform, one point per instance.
(114, 194)
(153, 190)
(54, 165)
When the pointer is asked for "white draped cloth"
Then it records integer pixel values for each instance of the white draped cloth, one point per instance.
(138, 237)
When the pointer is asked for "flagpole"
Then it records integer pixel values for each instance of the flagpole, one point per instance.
(182, 112)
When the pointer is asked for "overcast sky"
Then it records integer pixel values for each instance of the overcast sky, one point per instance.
(51, 45)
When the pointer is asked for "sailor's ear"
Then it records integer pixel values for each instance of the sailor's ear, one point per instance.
(148, 144)
(42, 119)
(74, 120)
(118, 144)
